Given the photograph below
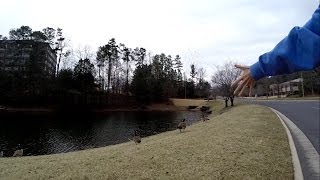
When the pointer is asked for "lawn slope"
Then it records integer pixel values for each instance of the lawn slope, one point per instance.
(245, 142)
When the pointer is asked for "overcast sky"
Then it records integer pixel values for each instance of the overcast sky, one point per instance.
(205, 32)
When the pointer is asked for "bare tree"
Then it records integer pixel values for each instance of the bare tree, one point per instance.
(127, 56)
(201, 72)
(109, 55)
(202, 87)
(61, 48)
(224, 76)
(193, 71)
(71, 56)
(83, 52)
(3, 37)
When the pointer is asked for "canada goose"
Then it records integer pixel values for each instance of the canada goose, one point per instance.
(204, 118)
(182, 125)
(1, 154)
(136, 138)
(18, 153)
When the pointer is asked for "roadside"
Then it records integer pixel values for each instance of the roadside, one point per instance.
(304, 117)
(284, 98)
(248, 142)
(309, 158)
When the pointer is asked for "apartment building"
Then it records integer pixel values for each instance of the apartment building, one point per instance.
(286, 88)
(27, 57)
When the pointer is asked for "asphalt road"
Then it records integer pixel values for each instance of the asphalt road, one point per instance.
(305, 114)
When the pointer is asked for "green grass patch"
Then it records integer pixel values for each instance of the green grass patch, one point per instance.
(246, 142)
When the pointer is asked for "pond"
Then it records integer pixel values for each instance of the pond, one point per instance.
(40, 134)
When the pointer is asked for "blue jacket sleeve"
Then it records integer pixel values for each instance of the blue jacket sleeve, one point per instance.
(299, 51)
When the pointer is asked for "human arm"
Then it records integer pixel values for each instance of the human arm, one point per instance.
(299, 51)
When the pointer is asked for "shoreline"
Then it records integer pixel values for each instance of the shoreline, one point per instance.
(94, 110)
(176, 105)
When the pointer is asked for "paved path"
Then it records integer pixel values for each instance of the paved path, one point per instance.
(305, 114)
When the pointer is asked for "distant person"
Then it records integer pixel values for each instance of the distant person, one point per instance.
(231, 99)
(226, 99)
(299, 51)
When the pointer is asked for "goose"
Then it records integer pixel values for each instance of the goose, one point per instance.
(182, 125)
(136, 138)
(18, 153)
(204, 118)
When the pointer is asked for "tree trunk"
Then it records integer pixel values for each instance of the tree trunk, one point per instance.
(127, 79)
(58, 64)
(109, 75)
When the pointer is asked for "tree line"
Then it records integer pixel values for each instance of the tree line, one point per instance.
(127, 71)
(114, 71)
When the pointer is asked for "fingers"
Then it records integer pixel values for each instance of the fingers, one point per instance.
(236, 82)
(245, 72)
(238, 89)
(244, 87)
(241, 67)
(249, 84)
(241, 85)
(246, 82)
(250, 91)
(244, 75)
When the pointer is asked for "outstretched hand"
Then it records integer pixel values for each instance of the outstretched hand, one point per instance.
(244, 81)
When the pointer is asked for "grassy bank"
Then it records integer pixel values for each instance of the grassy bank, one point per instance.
(246, 142)
(188, 102)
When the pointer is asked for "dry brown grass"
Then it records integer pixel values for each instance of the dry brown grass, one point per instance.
(188, 102)
(247, 142)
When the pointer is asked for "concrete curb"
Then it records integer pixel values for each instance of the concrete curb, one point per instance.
(295, 159)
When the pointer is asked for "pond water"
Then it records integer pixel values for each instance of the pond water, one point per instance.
(40, 134)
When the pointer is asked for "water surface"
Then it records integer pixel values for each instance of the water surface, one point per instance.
(52, 133)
